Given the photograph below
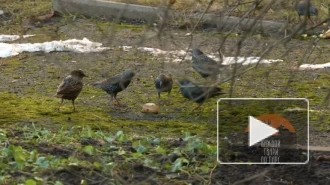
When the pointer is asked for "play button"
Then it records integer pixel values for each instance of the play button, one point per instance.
(259, 131)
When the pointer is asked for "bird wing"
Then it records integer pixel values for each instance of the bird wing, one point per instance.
(192, 91)
(212, 91)
(114, 80)
(204, 64)
(110, 81)
(69, 85)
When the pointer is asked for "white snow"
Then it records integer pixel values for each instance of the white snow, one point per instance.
(7, 38)
(86, 46)
(73, 45)
(226, 60)
(315, 66)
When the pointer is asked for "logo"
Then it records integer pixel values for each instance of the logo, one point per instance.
(263, 131)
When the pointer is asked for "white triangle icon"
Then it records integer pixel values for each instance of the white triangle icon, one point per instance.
(259, 131)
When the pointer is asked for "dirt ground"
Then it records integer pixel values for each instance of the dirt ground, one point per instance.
(32, 75)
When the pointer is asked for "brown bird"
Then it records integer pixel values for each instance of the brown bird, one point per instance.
(70, 87)
(164, 83)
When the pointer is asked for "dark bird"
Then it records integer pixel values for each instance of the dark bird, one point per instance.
(116, 84)
(204, 65)
(70, 87)
(196, 93)
(164, 84)
(306, 8)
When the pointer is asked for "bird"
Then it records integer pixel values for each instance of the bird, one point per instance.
(197, 93)
(116, 84)
(306, 8)
(71, 87)
(164, 83)
(204, 65)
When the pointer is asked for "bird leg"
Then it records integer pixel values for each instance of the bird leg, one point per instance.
(117, 100)
(311, 20)
(58, 109)
(74, 108)
(168, 94)
(112, 102)
(158, 95)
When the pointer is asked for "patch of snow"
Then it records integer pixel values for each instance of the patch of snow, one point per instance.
(73, 45)
(7, 38)
(126, 48)
(226, 60)
(315, 66)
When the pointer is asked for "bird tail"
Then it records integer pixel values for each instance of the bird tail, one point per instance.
(215, 91)
(97, 85)
(58, 95)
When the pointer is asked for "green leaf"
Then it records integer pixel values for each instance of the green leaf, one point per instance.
(108, 139)
(90, 150)
(137, 155)
(98, 165)
(142, 149)
(122, 138)
(42, 162)
(136, 144)
(30, 182)
(33, 155)
(156, 141)
(161, 150)
(39, 179)
(178, 163)
(119, 133)
(187, 136)
(90, 133)
(150, 163)
(58, 183)
(19, 155)
(139, 147)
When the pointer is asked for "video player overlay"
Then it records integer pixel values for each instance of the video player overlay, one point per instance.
(263, 131)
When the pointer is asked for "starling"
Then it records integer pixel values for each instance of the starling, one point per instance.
(164, 84)
(70, 87)
(306, 8)
(198, 94)
(116, 84)
(204, 65)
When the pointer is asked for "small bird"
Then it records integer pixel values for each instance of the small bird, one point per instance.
(116, 84)
(204, 65)
(306, 8)
(164, 83)
(196, 93)
(70, 87)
